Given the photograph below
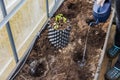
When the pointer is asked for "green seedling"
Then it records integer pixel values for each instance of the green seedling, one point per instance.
(56, 27)
(64, 20)
(59, 18)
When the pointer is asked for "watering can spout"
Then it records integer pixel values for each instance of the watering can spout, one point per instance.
(92, 22)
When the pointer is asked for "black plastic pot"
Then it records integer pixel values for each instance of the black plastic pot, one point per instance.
(59, 38)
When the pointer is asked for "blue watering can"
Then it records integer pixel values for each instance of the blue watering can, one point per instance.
(101, 14)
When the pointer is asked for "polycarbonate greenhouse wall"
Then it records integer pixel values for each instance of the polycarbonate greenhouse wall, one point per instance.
(20, 21)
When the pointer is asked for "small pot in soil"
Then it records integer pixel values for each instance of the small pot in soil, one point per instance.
(59, 37)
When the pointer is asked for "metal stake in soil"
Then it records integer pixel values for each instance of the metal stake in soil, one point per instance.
(84, 52)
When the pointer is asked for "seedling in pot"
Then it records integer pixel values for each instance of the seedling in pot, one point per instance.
(59, 31)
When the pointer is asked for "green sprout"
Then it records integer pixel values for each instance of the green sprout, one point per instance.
(59, 18)
(56, 27)
(64, 20)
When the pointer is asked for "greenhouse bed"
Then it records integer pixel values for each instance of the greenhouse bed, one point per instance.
(63, 64)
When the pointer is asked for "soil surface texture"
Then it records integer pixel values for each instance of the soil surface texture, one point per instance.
(47, 63)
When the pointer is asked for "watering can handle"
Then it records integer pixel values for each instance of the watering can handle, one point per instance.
(106, 1)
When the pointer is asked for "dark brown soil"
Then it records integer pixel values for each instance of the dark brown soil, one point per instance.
(62, 64)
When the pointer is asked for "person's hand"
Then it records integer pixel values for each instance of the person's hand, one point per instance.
(100, 2)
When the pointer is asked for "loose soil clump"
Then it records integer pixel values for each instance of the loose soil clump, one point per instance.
(62, 64)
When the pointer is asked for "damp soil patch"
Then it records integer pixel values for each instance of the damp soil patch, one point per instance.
(62, 64)
(38, 68)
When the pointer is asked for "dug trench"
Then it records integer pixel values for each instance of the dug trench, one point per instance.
(62, 64)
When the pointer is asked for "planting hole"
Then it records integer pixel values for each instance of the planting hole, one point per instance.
(78, 58)
(71, 6)
(38, 68)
